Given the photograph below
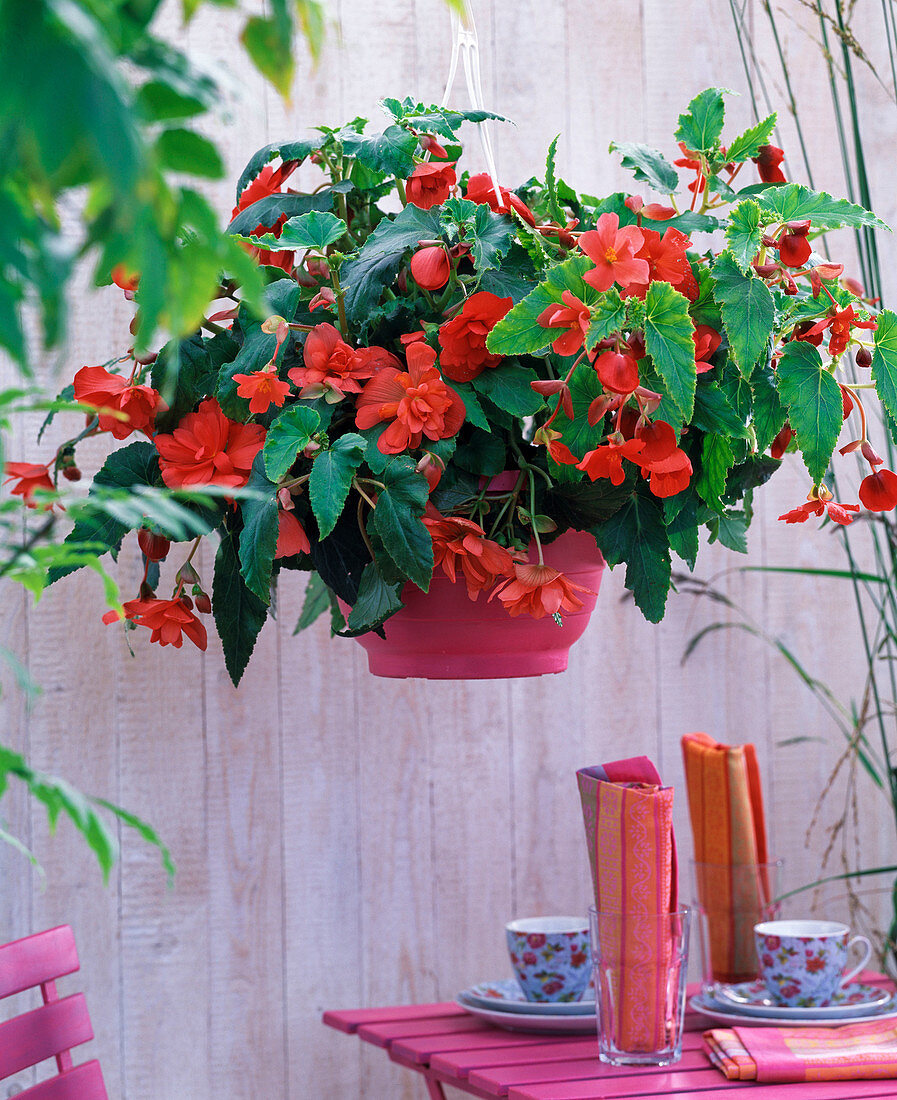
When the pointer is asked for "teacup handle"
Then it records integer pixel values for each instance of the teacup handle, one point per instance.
(851, 974)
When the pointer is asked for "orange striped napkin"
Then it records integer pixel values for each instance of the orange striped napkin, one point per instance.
(778, 1054)
(725, 802)
(628, 816)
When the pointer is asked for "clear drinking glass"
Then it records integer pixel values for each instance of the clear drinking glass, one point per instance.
(729, 899)
(641, 962)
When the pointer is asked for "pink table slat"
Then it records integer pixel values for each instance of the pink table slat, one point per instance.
(448, 1046)
(29, 1039)
(84, 1082)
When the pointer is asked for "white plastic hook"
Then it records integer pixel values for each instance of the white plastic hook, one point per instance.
(466, 43)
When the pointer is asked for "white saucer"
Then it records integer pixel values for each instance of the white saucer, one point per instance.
(532, 1021)
(725, 1015)
(754, 999)
(507, 996)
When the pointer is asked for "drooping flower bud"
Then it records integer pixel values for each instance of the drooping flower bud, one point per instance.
(864, 357)
(71, 473)
(202, 602)
(868, 452)
(155, 547)
(431, 268)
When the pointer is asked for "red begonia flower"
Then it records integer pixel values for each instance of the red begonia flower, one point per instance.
(96, 387)
(481, 189)
(687, 160)
(31, 476)
(667, 262)
(430, 184)
(462, 543)
(617, 373)
(167, 619)
(656, 212)
(613, 250)
(780, 443)
(819, 501)
(573, 316)
(263, 388)
(659, 440)
(268, 182)
(538, 590)
(463, 339)
(840, 323)
(794, 249)
(669, 475)
(291, 536)
(155, 547)
(431, 267)
(878, 491)
(333, 368)
(430, 145)
(707, 340)
(768, 160)
(417, 401)
(208, 449)
(607, 461)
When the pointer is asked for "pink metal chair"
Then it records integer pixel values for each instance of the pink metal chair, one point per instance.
(53, 1029)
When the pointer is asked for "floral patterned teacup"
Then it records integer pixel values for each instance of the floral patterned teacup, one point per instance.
(802, 961)
(551, 957)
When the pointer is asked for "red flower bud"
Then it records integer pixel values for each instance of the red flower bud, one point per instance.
(203, 603)
(71, 473)
(431, 145)
(186, 601)
(146, 591)
(864, 357)
(801, 228)
(431, 268)
(854, 286)
(765, 270)
(794, 250)
(656, 212)
(635, 203)
(154, 546)
(869, 454)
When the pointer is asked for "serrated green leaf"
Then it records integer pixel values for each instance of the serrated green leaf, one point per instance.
(396, 519)
(794, 202)
(289, 434)
(731, 530)
(315, 230)
(769, 412)
(636, 534)
(315, 602)
(554, 210)
(744, 234)
(748, 144)
(608, 317)
(701, 126)
(668, 338)
(258, 538)
(391, 152)
(716, 461)
(266, 211)
(748, 312)
(884, 361)
(713, 413)
(508, 387)
(239, 613)
(648, 166)
(682, 515)
(376, 600)
(519, 331)
(490, 236)
(813, 400)
(473, 410)
(585, 386)
(331, 478)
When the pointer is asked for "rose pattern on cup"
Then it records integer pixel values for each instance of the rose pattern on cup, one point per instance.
(551, 966)
(804, 967)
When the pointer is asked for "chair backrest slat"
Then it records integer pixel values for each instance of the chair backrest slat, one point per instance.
(36, 959)
(81, 1083)
(28, 1039)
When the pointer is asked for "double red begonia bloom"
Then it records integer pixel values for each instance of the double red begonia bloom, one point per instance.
(573, 316)
(878, 491)
(291, 536)
(462, 544)
(268, 182)
(663, 461)
(431, 267)
(96, 387)
(207, 448)
(613, 251)
(840, 323)
(463, 339)
(538, 590)
(29, 476)
(333, 368)
(667, 262)
(430, 184)
(417, 401)
(768, 160)
(819, 502)
(707, 340)
(481, 189)
(167, 619)
(263, 388)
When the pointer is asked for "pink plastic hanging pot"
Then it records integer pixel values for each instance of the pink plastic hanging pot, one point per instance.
(444, 635)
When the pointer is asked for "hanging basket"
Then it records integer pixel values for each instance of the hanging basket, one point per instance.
(444, 635)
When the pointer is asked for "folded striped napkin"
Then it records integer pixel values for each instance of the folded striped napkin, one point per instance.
(853, 1052)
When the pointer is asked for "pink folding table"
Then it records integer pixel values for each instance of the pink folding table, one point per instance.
(448, 1046)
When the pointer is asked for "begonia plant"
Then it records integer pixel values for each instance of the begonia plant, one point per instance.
(639, 363)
